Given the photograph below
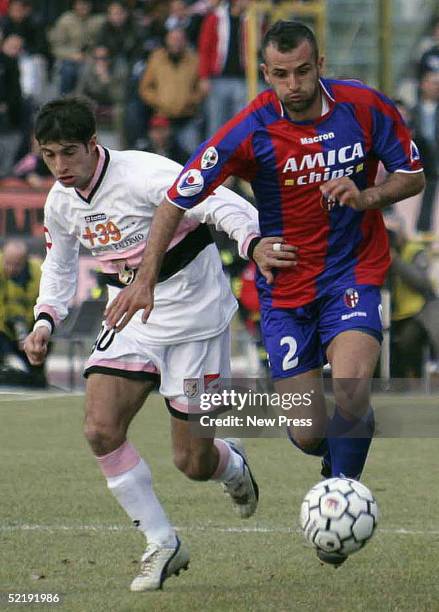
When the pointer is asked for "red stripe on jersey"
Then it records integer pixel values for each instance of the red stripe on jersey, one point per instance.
(373, 251)
(364, 118)
(302, 214)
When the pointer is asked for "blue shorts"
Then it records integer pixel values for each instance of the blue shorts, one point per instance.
(296, 338)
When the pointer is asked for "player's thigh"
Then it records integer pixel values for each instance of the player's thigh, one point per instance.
(291, 340)
(120, 372)
(112, 401)
(353, 354)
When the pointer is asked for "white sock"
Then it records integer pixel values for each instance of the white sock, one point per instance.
(230, 464)
(133, 490)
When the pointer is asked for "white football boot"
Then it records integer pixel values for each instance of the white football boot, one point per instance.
(243, 490)
(159, 563)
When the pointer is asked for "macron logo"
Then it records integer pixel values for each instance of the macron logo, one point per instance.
(319, 138)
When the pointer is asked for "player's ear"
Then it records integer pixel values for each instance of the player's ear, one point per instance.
(92, 143)
(264, 71)
(321, 64)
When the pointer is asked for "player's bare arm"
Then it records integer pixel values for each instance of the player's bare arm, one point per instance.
(398, 186)
(35, 345)
(140, 295)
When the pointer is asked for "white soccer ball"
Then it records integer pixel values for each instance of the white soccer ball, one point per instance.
(339, 515)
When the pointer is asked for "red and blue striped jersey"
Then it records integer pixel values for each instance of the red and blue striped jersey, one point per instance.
(286, 162)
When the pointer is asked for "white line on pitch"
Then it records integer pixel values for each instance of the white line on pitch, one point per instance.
(189, 528)
(20, 396)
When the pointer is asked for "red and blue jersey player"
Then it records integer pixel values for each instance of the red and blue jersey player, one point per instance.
(310, 148)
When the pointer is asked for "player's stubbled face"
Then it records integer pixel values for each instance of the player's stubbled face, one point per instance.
(71, 163)
(294, 76)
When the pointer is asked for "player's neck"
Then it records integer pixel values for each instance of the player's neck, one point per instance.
(94, 170)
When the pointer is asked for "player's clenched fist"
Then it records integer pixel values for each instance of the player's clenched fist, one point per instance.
(36, 344)
(345, 192)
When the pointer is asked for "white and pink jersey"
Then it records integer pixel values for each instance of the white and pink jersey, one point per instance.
(112, 220)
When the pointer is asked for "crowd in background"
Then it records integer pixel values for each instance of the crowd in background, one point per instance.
(174, 67)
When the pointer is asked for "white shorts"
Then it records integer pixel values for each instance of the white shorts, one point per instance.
(184, 370)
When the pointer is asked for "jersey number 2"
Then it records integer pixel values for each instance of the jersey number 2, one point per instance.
(289, 361)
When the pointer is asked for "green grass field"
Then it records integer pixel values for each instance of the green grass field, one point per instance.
(62, 532)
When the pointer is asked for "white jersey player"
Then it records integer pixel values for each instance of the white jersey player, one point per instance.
(105, 200)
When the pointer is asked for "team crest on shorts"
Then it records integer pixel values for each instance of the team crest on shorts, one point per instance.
(351, 297)
(190, 183)
(191, 387)
(209, 158)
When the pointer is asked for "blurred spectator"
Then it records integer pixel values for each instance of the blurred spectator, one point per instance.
(32, 169)
(152, 24)
(425, 125)
(19, 286)
(429, 51)
(411, 289)
(11, 102)
(196, 9)
(19, 20)
(429, 40)
(120, 34)
(150, 16)
(48, 11)
(35, 56)
(222, 62)
(104, 83)
(178, 16)
(160, 140)
(136, 114)
(170, 86)
(73, 34)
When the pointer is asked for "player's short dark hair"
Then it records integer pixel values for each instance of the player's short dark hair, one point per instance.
(288, 35)
(69, 119)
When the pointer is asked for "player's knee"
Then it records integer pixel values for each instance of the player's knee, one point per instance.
(102, 437)
(195, 466)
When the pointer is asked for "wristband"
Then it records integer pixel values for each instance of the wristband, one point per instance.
(45, 320)
(251, 247)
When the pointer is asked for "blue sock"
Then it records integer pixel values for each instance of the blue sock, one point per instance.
(349, 443)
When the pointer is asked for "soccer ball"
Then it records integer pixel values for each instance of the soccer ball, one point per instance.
(339, 515)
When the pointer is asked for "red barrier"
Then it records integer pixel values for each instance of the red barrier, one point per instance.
(21, 207)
